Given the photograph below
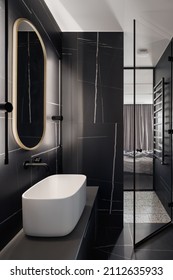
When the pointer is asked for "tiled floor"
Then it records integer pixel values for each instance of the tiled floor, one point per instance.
(159, 247)
(148, 208)
(114, 244)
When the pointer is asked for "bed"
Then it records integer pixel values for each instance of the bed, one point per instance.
(144, 162)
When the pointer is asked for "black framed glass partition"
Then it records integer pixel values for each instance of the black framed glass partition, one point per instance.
(128, 119)
(152, 111)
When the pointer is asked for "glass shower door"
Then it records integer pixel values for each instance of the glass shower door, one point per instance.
(152, 142)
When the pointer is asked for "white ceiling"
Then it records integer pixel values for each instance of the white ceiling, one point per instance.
(154, 23)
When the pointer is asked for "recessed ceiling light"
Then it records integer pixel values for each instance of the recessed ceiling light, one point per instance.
(142, 52)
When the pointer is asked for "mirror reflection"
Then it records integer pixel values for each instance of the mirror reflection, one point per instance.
(29, 85)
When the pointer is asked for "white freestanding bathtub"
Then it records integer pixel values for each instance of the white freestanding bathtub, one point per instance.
(53, 206)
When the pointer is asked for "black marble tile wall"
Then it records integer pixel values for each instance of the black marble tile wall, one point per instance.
(163, 172)
(14, 179)
(92, 90)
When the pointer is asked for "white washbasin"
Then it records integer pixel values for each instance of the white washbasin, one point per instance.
(53, 206)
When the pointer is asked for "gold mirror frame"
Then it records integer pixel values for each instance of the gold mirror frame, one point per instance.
(15, 78)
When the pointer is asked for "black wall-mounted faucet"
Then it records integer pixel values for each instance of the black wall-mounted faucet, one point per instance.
(27, 164)
(35, 163)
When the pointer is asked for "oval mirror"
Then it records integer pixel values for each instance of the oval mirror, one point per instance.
(29, 67)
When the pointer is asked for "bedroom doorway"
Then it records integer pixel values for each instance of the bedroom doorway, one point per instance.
(143, 139)
(144, 143)
(143, 129)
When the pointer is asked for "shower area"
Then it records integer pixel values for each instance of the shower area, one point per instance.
(148, 133)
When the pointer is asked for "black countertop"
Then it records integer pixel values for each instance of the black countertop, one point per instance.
(23, 247)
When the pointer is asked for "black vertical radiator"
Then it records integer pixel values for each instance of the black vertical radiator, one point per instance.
(159, 121)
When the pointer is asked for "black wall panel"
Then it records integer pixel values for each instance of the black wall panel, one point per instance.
(162, 173)
(14, 179)
(92, 90)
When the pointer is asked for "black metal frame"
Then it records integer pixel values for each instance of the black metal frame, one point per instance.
(134, 147)
(136, 244)
(6, 106)
(134, 90)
